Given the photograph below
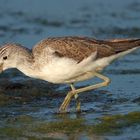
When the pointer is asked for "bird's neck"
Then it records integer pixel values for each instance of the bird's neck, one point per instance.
(26, 67)
(25, 63)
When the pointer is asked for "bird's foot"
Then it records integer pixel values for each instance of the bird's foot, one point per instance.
(78, 106)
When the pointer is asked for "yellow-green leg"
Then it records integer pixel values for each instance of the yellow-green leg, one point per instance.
(78, 103)
(64, 105)
(67, 99)
(72, 93)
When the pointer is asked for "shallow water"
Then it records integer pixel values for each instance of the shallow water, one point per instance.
(29, 107)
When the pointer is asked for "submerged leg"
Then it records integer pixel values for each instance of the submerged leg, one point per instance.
(78, 103)
(67, 100)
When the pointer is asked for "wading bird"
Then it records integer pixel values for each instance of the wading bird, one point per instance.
(67, 60)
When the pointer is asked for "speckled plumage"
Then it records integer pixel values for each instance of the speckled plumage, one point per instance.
(79, 48)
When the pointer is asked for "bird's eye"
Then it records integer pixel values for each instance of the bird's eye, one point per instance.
(5, 57)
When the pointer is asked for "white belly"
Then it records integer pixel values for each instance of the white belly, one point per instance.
(63, 69)
(60, 70)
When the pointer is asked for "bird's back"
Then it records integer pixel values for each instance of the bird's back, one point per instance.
(79, 48)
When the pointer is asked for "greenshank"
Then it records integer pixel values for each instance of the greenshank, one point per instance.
(67, 60)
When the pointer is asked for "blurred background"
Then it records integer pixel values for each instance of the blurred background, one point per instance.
(28, 22)
(28, 107)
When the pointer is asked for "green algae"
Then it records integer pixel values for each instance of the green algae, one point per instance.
(107, 124)
(17, 133)
(25, 119)
(114, 123)
(11, 132)
(25, 126)
(68, 126)
(133, 117)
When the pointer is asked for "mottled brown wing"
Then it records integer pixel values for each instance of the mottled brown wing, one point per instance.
(77, 48)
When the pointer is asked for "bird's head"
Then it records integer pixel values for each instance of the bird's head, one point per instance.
(8, 55)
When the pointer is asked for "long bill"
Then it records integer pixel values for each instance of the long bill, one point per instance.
(1, 68)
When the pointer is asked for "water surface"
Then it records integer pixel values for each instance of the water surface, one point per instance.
(29, 107)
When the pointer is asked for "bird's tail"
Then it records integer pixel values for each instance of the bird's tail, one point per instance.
(121, 45)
